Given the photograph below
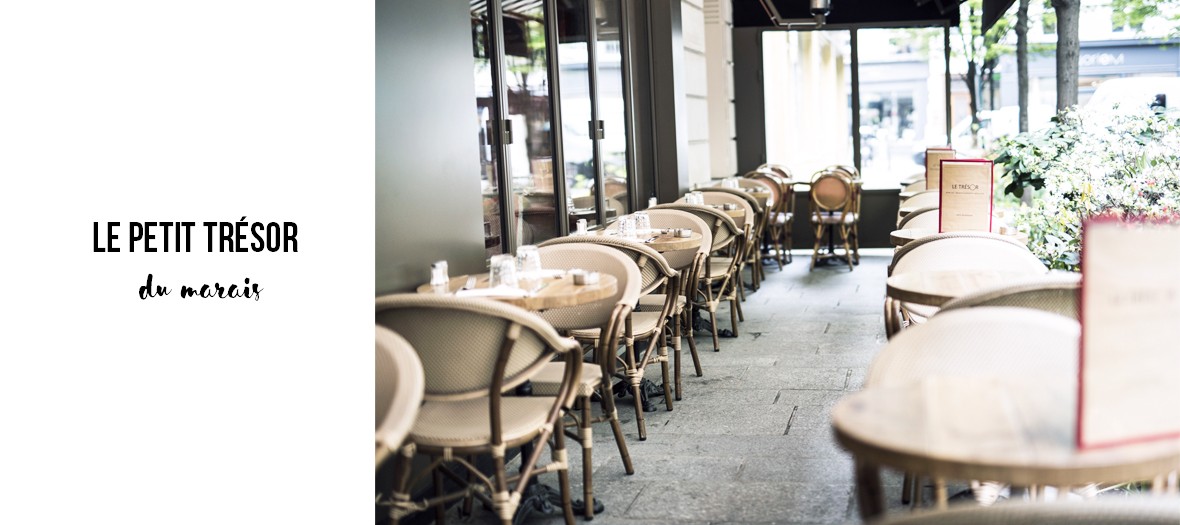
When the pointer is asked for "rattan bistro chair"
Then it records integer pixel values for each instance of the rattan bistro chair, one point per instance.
(779, 217)
(718, 280)
(833, 203)
(690, 263)
(400, 385)
(608, 320)
(977, 343)
(954, 251)
(1055, 294)
(473, 351)
(641, 326)
(750, 224)
(921, 218)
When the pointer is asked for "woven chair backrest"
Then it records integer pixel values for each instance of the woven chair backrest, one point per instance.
(965, 251)
(399, 383)
(1052, 295)
(979, 342)
(848, 171)
(924, 218)
(724, 231)
(922, 200)
(768, 183)
(831, 192)
(778, 169)
(459, 341)
(654, 269)
(915, 186)
(682, 259)
(597, 258)
(718, 198)
(740, 193)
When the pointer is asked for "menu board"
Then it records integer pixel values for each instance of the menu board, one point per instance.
(934, 156)
(1130, 364)
(965, 195)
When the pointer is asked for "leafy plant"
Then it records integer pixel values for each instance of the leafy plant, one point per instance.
(1125, 162)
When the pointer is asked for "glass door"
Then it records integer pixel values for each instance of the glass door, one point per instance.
(594, 109)
(514, 107)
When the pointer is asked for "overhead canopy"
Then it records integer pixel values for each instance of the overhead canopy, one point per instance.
(993, 11)
(751, 13)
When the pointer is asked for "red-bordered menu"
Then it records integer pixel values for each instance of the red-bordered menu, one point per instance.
(934, 156)
(965, 195)
(1129, 368)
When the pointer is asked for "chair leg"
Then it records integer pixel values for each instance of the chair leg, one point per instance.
(635, 376)
(586, 437)
(402, 464)
(663, 358)
(612, 414)
(713, 320)
(676, 348)
(440, 510)
(734, 312)
(692, 344)
(787, 244)
(847, 251)
(563, 476)
(819, 235)
(741, 316)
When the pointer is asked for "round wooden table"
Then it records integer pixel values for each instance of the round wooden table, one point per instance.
(905, 236)
(936, 288)
(1017, 430)
(659, 241)
(557, 292)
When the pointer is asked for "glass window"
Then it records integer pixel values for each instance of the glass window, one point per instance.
(902, 101)
(518, 174)
(485, 117)
(577, 147)
(530, 153)
(808, 93)
(611, 109)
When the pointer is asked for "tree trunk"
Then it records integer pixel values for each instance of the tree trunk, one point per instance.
(973, 98)
(1068, 13)
(1022, 62)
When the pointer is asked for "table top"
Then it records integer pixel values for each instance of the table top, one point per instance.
(936, 288)
(905, 236)
(660, 242)
(557, 292)
(1018, 430)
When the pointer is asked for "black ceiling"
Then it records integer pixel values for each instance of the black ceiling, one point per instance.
(751, 13)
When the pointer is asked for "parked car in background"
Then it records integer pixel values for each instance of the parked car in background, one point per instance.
(1131, 92)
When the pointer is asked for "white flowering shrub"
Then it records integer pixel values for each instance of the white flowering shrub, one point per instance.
(1125, 163)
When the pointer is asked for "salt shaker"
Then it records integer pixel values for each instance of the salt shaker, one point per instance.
(439, 280)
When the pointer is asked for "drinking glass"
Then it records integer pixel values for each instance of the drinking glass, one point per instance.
(502, 271)
(529, 259)
(642, 223)
(627, 227)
